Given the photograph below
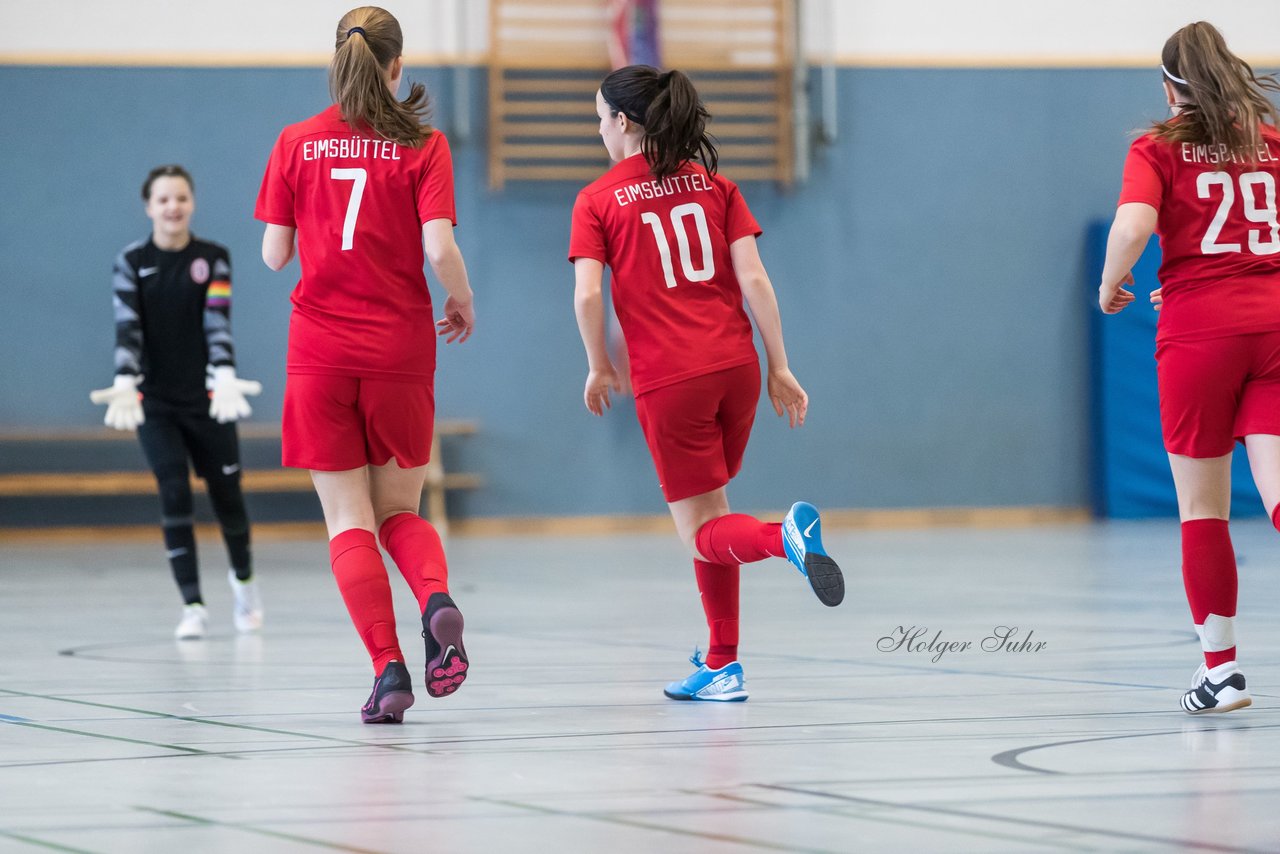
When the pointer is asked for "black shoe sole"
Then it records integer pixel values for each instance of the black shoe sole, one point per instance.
(825, 578)
(447, 662)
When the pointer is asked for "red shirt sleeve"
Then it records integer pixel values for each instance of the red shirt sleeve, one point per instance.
(739, 222)
(275, 197)
(1142, 179)
(586, 235)
(435, 188)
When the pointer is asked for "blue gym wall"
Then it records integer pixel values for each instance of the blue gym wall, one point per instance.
(931, 274)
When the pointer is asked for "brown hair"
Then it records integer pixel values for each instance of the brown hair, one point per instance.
(668, 108)
(1226, 101)
(369, 40)
(171, 170)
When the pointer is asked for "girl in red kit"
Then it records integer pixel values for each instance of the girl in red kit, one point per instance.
(1206, 182)
(681, 245)
(364, 186)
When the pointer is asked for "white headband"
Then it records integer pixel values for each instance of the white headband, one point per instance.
(1171, 77)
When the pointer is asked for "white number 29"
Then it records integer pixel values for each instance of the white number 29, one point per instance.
(360, 177)
(1264, 215)
(679, 213)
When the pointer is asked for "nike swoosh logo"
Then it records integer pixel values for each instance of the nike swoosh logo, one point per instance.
(230, 469)
(810, 528)
(172, 553)
(448, 651)
(143, 272)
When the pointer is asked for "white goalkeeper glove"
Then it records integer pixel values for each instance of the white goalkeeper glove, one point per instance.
(124, 404)
(227, 403)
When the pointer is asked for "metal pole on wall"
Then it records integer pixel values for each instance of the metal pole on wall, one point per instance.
(829, 118)
(461, 75)
(800, 130)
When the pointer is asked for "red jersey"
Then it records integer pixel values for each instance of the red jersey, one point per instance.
(673, 285)
(1219, 236)
(358, 202)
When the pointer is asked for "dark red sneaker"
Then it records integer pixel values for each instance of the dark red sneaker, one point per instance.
(392, 694)
(446, 657)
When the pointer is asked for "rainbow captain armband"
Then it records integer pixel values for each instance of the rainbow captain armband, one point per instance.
(218, 295)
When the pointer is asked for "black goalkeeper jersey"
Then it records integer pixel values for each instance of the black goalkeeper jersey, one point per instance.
(173, 318)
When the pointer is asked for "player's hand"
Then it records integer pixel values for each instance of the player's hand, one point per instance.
(124, 404)
(227, 399)
(1157, 298)
(1112, 299)
(599, 382)
(787, 396)
(458, 321)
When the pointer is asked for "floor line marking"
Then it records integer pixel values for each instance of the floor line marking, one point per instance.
(1050, 825)
(1010, 758)
(42, 843)
(843, 812)
(261, 831)
(644, 825)
(121, 738)
(210, 721)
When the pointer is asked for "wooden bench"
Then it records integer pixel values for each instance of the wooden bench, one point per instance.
(255, 479)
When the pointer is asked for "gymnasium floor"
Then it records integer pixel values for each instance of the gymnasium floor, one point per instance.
(116, 738)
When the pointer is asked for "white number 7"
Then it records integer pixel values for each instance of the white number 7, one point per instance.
(360, 176)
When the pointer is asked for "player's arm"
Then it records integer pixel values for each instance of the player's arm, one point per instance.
(128, 313)
(1134, 224)
(124, 408)
(588, 307)
(277, 245)
(450, 270)
(227, 401)
(784, 389)
(217, 315)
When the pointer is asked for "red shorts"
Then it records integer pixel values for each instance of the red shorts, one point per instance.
(1218, 390)
(697, 429)
(340, 423)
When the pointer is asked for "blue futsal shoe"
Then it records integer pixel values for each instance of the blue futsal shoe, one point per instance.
(802, 541)
(725, 685)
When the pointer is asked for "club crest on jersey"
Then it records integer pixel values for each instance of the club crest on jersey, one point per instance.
(199, 271)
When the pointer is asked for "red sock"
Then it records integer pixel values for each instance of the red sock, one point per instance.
(1209, 574)
(417, 551)
(719, 586)
(362, 580)
(1275, 517)
(739, 538)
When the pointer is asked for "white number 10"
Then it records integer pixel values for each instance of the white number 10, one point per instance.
(694, 211)
(360, 176)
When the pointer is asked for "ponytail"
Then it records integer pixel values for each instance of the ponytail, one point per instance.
(368, 41)
(1225, 102)
(667, 106)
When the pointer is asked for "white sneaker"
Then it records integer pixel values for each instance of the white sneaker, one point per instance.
(1221, 689)
(194, 624)
(247, 610)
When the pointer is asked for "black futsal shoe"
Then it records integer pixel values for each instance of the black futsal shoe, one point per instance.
(392, 694)
(446, 656)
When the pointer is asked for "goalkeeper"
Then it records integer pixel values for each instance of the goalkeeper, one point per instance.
(176, 384)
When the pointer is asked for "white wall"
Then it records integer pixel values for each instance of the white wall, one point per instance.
(225, 32)
(1035, 32)
(854, 32)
